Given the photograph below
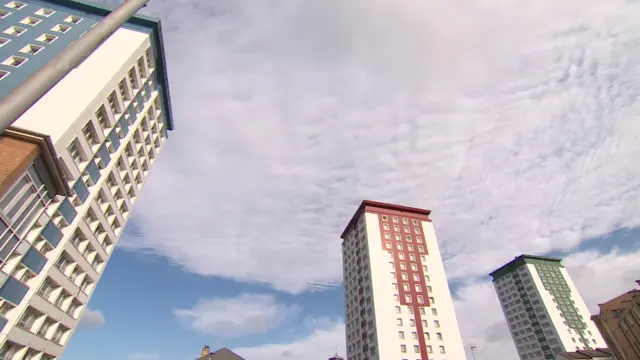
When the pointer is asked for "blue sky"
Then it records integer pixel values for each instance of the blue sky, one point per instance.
(139, 291)
(289, 113)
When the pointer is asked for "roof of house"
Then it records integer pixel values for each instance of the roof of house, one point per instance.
(221, 354)
(587, 354)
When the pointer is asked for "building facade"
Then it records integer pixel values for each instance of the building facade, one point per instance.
(543, 308)
(619, 324)
(397, 300)
(72, 166)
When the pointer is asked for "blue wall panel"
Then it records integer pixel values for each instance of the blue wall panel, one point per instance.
(34, 260)
(49, 51)
(13, 290)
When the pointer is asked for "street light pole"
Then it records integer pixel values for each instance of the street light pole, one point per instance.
(30, 91)
(473, 352)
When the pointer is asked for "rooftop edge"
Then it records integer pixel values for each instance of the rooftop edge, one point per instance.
(382, 205)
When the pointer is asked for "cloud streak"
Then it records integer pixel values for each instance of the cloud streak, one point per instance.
(511, 120)
(237, 317)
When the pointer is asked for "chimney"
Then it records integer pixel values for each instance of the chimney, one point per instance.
(206, 350)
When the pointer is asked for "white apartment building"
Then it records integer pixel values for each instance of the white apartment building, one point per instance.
(543, 308)
(397, 300)
(72, 167)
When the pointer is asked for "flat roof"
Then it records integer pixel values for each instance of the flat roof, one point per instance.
(521, 260)
(382, 205)
(140, 20)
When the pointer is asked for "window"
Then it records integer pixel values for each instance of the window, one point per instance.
(59, 334)
(45, 290)
(436, 323)
(90, 134)
(3, 74)
(401, 335)
(398, 310)
(31, 49)
(133, 79)
(416, 349)
(76, 154)
(73, 19)
(403, 348)
(395, 219)
(429, 349)
(31, 21)
(385, 218)
(420, 297)
(114, 105)
(412, 322)
(439, 336)
(15, 30)
(44, 328)
(14, 61)
(399, 246)
(9, 350)
(124, 92)
(101, 116)
(45, 12)
(432, 300)
(46, 38)
(407, 298)
(28, 318)
(15, 5)
(61, 28)
(388, 244)
(421, 248)
(427, 336)
(141, 70)
(442, 349)
(399, 322)
(149, 57)
(422, 311)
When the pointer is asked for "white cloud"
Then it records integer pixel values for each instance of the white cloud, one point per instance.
(477, 309)
(598, 277)
(323, 342)
(237, 317)
(512, 121)
(91, 319)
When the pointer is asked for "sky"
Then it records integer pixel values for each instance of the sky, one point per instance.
(514, 122)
